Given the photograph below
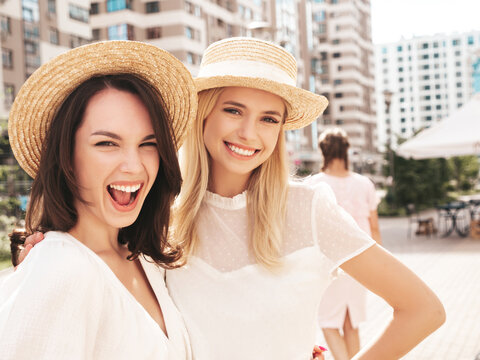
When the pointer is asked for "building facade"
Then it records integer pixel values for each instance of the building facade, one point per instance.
(34, 31)
(426, 77)
(338, 55)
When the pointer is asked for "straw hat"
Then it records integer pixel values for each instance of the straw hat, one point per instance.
(259, 64)
(46, 89)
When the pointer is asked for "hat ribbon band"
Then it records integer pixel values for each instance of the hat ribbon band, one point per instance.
(245, 68)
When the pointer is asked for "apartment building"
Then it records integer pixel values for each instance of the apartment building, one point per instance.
(31, 33)
(183, 27)
(426, 77)
(338, 58)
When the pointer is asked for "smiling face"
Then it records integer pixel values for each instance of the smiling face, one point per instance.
(115, 159)
(241, 132)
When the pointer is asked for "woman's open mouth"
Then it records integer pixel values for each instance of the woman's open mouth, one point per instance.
(241, 151)
(124, 196)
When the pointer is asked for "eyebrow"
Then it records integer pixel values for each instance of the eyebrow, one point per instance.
(115, 136)
(240, 105)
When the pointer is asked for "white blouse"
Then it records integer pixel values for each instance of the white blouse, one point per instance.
(234, 308)
(64, 302)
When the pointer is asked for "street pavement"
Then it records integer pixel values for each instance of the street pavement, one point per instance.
(451, 267)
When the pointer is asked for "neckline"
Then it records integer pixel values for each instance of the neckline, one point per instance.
(239, 201)
(117, 283)
(339, 177)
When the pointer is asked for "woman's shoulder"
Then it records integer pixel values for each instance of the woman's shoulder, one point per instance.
(306, 188)
(61, 256)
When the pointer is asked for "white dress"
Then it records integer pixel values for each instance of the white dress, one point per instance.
(356, 194)
(64, 302)
(234, 308)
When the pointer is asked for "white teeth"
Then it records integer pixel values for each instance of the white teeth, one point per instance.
(124, 188)
(239, 151)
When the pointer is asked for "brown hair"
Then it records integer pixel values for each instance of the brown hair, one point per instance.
(55, 188)
(334, 145)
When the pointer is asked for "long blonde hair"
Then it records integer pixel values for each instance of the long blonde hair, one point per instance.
(267, 191)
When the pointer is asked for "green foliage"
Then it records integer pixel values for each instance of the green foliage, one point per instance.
(428, 182)
(7, 224)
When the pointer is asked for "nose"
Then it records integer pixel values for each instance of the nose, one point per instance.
(132, 161)
(247, 128)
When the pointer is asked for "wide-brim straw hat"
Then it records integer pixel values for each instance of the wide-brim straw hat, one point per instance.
(258, 64)
(46, 89)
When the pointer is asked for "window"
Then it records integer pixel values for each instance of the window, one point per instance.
(428, 118)
(189, 32)
(120, 32)
(95, 34)
(94, 9)
(399, 48)
(426, 87)
(426, 77)
(53, 36)
(436, 55)
(459, 84)
(7, 58)
(458, 74)
(116, 5)
(335, 41)
(459, 105)
(458, 53)
(336, 55)
(154, 32)
(31, 47)
(339, 122)
(78, 13)
(438, 107)
(32, 61)
(427, 97)
(425, 67)
(190, 58)
(9, 94)
(337, 82)
(403, 130)
(400, 69)
(456, 42)
(435, 44)
(341, 108)
(437, 86)
(52, 8)
(5, 25)
(425, 46)
(338, 95)
(428, 108)
(402, 120)
(458, 63)
(402, 100)
(438, 96)
(319, 16)
(470, 40)
(459, 95)
(152, 7)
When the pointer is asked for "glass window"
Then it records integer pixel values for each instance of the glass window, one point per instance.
(52, 9)
(399, 48)
(78, 13)
(189, 32)
(53, 36)
(470, 40)
(118, 32)
(94, 9)
(5, 24)
(152, 7)
(7, 58)
(190, 58)
(456, 42)
(154, 32)
(116, 5)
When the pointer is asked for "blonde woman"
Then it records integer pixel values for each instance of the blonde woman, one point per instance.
(343, 305)
(261, 249)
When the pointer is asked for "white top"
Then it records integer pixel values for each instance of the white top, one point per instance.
(233, 307)
(355, 193)
(64, 302)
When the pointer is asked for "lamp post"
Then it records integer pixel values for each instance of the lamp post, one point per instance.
(387, 96)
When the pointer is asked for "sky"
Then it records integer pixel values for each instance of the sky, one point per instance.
(394, 19)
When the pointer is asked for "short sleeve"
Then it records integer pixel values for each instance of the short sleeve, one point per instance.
(49, 308)
(336, 232)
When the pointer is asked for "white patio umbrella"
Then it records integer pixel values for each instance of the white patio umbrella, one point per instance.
(457, 135)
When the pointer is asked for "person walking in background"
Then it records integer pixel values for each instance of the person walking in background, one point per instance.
(343, 305)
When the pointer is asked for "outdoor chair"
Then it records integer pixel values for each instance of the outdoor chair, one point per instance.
(424, 225)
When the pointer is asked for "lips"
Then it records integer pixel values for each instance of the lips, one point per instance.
(240, 150)
(124, 196)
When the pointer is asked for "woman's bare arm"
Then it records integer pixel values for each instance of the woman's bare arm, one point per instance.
(417, 310)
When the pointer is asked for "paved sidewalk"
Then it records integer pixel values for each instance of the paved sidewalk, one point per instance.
(451, 267)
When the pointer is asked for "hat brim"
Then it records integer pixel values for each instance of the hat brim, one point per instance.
(46, 89)
(303, 107)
